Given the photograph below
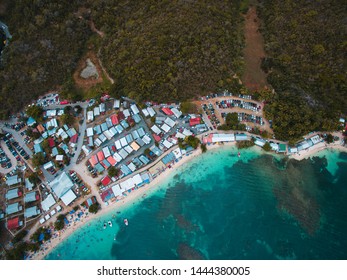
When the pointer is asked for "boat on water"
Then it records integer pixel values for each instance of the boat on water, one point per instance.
(126, 222)
(110, 223)
(105, 225)
(239, 154)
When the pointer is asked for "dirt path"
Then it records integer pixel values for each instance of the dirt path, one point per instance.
(253, 78)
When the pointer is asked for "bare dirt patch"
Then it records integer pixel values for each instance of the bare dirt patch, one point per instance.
(254, 77)
(86, 84)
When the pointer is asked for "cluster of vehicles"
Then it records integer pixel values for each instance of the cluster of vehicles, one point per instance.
(81, 186)
(47, 100)
(26, 138)
(226, 93)
(14, 147)
(230, 103)
(4, 160)
(244, 117)
(92, 170)
(209, 111)
(17, 126)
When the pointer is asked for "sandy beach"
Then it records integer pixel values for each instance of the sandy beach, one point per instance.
(134, 196)
(138, 194)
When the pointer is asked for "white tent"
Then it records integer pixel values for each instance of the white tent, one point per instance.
(170, 122)
(165, 127)
(176, 112)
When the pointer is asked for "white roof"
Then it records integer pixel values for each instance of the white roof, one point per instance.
(90, 116)
(113, 131)
(146, 139)
(128, 149)
(116, 104)
(187, 132)
(176, 112)
(274, 146)
(155, 129)
(108, 134)
(260, 142)
(177, 152)
(97, 142)
(128, 184)
(42, 220)
(68, 197)
(223, 137)
(59, 158)
(315, 139)
(61, 184)
(134, 109)
(123, 153)
(48, 202)
(293, 150)
(117, 190)
(132, 166)
(96, 111)
(126, 113)
(48, 165)
(165, 127)
(170, 122)
(137, 179)
(167, 144)
(180, 135)
(53, 212)
(117, 157)
(106, 152)
(86, 150)
(151, 111)
(145, 112)
(90, 131)
(118, 144)
(123, 141)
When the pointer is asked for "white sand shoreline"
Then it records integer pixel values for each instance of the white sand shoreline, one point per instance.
(136, 195)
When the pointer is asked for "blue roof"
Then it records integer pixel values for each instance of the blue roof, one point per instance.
(168, 158)
(144, 159)
(99, 167)
(137, 118)
(38, 148)
(97, 129)
(125, 170)
(124, 123)
(31, 121)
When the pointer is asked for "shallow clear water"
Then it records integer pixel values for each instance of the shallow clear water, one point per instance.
(219, 206)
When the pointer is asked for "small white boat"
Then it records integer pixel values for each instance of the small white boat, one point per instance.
(105, 225)
(126, 222)
(110, 223)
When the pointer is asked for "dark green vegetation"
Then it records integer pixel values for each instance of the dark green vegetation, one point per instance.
(59, 223)
(306, 45)
(190, 141)
(232, 123)
(94, 208)
(113, 171)
(245, 144)
(48, 39)
(203, 148)
(170, 50)
(267, 147)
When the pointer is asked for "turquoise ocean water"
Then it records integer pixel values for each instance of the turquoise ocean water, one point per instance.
(219, 206)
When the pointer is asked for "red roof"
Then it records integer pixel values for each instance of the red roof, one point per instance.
(114, 119)
(74, 138)
(156, 137)
(106, 180)
(167, 111)
(111, 160)
(113, 148)
(51, 142)
(130, 121)
(64, 102)
(13, 223)
(194, 121)
(101, 155)
(93, 160)
(120, 116)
